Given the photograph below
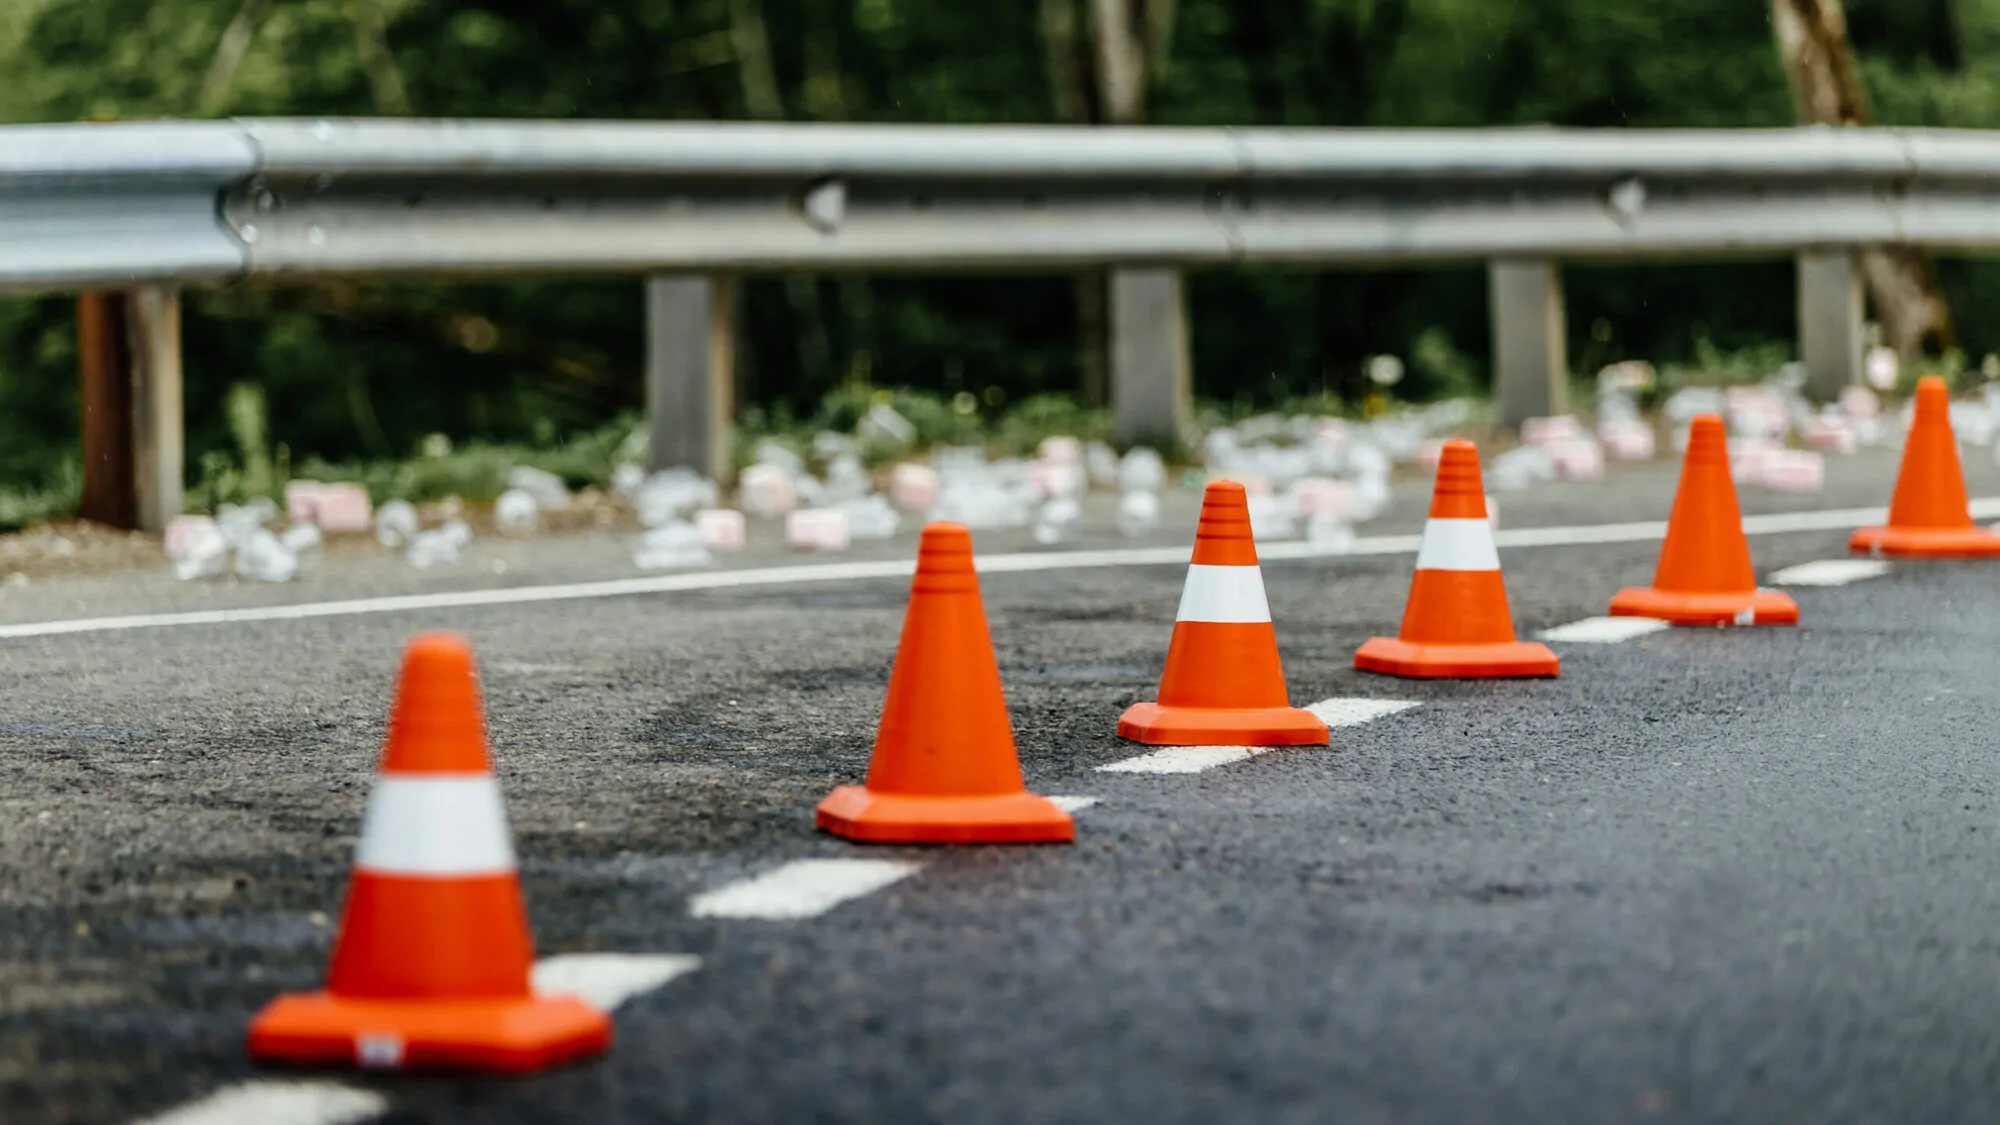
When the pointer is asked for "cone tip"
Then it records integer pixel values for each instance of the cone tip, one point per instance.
(1224, 491)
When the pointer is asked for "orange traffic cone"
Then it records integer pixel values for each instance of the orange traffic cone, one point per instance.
(431, 965)
(1928, 516)
(1704, 576)
(1223, 685)
(1457, 624)
(944, 770)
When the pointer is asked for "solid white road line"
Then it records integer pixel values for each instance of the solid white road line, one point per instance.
(1339, 713)
(1604, 630)
(804, 888)
(1830, 572)
(1184, 759)
(606, 980)
(902, 568)
(277, 1103)
(1073, 804)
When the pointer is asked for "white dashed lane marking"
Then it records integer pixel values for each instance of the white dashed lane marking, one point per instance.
(1603, 630)
(277, 1103)
(804, 888)
(1073, 804)
(1335, 713)
(606, 980)
(1830, 572)
(1184, 759)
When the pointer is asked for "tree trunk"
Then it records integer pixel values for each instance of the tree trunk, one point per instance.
(1826, 89)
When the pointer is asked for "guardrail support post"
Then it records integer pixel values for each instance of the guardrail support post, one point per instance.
(1152, 391)
(1530, 359)
(690, 372)
(153, 324)
(104, 362)
(1829, 321)
(129, 352)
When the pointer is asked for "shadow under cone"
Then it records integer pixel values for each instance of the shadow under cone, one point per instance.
(1929, 516)
(944, 769)
(1457, 625)
(1704, 576)
(1223, 683)
(430, 968)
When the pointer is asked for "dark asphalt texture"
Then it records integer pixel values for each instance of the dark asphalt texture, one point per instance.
(1707, 875)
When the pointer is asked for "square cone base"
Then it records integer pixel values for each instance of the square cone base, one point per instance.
(855, 812)
(1394, 657)
(1157, 725)
(1926, 542)
(1756, 607)
(509, 1034)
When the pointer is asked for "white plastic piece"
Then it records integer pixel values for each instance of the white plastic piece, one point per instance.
(263, 558)
(818, 529)
(1271, 517)
(396, 523)
(1142, 470)
(913, 487)
(516, 512)
(677, 545)
(1138, 514)
(200, 552)
(767, 492)
(1053, 520)
(548, 489)
(302, 537)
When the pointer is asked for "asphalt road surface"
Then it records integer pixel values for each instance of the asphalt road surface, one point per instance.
(1706, 875)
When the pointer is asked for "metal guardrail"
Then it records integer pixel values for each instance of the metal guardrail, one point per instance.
(151, 207)
(118, 204)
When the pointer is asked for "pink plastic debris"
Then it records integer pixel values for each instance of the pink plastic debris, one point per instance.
(1860, 402)
(1794, 470)
(1054, 479)
(1749, 456)
(183, 531)
(1061, 450)
(1830, 433)
(1628, 439)
(343, 508)
(722, 529)
(913, 487)
(1576, 458)
(1542, 431)
(302, 500)
(817, 529)
(1320, 496)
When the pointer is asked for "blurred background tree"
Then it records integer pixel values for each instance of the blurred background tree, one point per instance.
(354, 371)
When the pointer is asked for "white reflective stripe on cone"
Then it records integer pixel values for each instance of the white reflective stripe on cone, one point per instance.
(435, 825)
(1458, 545)
(1230, 594)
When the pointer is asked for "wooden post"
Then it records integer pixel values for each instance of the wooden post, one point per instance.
(104, 356)
(1530, 354)
(690, 372)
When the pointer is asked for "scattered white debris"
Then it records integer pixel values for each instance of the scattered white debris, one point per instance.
(199, 550)
(871, 517)
(1138, 514)
(261, 557)
(677, 545)
(1054, 519)
(516, 512)
(767, 491)
(548, 489)
(396, 523)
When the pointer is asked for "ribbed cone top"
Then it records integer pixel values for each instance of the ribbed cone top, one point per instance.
(944, 561)
(1461, 492)
(1708, 442)
(1933, 403)
(1930, 487)
(1223, 538)
(435, 726)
